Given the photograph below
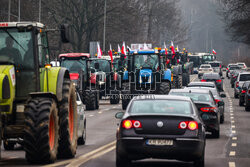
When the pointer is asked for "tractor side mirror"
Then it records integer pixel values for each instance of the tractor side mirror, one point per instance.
(65, 33)
(97, 66)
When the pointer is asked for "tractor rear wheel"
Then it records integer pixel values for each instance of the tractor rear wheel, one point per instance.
(90, 100)
(41, 132)
(180, 82)
(1, 127)
(68, 121)
(125, 95)
(164, 88)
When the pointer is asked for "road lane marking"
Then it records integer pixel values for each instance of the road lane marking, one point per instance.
(232, 117)
(231, 164)
(232, 114)
(99, 112)
(233, 131)
(234, 144)
(232, 121)
(232, 153)
(91, 115)
(233, 126)
(234, 138)
(113, 107)
(92, 155)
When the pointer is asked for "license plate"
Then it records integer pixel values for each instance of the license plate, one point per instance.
(159, 142)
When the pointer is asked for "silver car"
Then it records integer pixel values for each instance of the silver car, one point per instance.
(242, 77)
(81, 121)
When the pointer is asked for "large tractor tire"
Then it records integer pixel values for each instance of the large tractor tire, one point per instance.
(180, 82)
(68, 121)
(90, 100)
(1, 132)
(97, 100)
(164, 88)
(125, 95)
(41, 132)
(185, 81)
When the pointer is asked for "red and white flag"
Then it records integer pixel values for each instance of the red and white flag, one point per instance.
(111, 54)
(166, 49)
(119, 49)
(214, 52)
(172, 48)
(124, 49)
(99, 51)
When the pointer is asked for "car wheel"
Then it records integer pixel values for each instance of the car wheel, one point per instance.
(235, 95)
(200, 162)
(222, 119)
(216, 134)
(247, 108)
(241, 103)
(82, 140)
(122, 161)
(232, 86)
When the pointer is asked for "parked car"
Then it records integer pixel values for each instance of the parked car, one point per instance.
(204, 68)
(242, 65)
(232, 68)
(217, 66)
(213, 77)
(242, 77)
(81, 121)
(217, 97)
(242, 93)
(160, 126)
(206, 105)
(247, 99)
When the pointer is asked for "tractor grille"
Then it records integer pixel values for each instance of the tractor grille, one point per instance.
(145, 79)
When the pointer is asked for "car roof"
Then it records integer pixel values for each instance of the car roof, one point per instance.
(202, 83)
(211, 74)
(242, 73)
(74, 55)
(161, 97)
(205, 64)
(190, 90)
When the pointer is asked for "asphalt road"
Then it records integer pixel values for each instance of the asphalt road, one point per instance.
(232, 149)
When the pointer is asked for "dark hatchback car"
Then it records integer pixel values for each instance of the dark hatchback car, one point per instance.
(206, 105)
(218, 99)
(243, 91)
(162, 127)
(247, 99)
(213, 77)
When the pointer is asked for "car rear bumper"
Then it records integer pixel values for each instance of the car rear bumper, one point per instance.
(185, 149)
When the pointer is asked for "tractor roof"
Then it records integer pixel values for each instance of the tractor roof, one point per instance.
(74, 55)
(141, 52)
(21, 24)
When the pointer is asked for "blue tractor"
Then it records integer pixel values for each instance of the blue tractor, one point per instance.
(145, 74)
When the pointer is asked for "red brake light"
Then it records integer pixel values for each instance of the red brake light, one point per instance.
(203, 80)
(216, 100)
(192, 125)
(208, 109)
(237, 84)
(249, 91)
(234, 76)
(4, 25)
(227, 68)
(127, 124)
(218, 80)
(220, 65)
(136, 124)
(243, 91)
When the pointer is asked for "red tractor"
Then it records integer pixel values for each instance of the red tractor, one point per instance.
(84, 77)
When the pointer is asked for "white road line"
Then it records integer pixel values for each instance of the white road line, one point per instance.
(232, 117)
(232, 121)
(233, 126)
(234, 144)
(231, 164)
(232, 114)
(233, 131)
(99, 112)
(106, 109)
(234, 138)
(91, 115)
(113, 107)
(232, 153)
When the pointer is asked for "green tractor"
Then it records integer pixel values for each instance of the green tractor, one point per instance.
(37, 101)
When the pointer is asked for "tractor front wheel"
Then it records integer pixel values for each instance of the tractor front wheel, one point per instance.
(68, 121)
(41, 132)
(90, 99)
(164, 88)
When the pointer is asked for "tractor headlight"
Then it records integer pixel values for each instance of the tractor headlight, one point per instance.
(140, 80)
(149, 79)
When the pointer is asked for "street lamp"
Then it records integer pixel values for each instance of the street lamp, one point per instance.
(104, 29)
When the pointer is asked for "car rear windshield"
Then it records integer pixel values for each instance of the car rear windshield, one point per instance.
(202, 97)
(241, 64)
(166, 107)
(215, 64)
(211, 76)
(235, 67)
(205, 67)
(201, 85)
(245, 77)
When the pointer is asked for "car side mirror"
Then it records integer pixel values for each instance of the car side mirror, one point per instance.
(65, 33)
(97, 66)
(119, 115)
(222, 78)
(223, 95)
(221, 103)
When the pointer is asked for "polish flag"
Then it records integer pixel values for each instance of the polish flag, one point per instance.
(172, 48)
(214, 52)
(99, 51)
(119, 49)
(124, 49)
(166, 49)
(111, 54)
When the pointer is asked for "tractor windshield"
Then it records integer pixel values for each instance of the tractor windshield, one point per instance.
(146, 61)
(74, 66)
(16, 47)
(104, 65)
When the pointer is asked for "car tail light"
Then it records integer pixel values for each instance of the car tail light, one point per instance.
(192, 125)
(220, 66)
(183, 125)
(136, 124)
(216, 100)
(249, 91)
(219, 80)
(227, 68)
(237, 84)
(203, 80)
(127, 124)
(243, 91)
(234, 76)
(208, 109)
